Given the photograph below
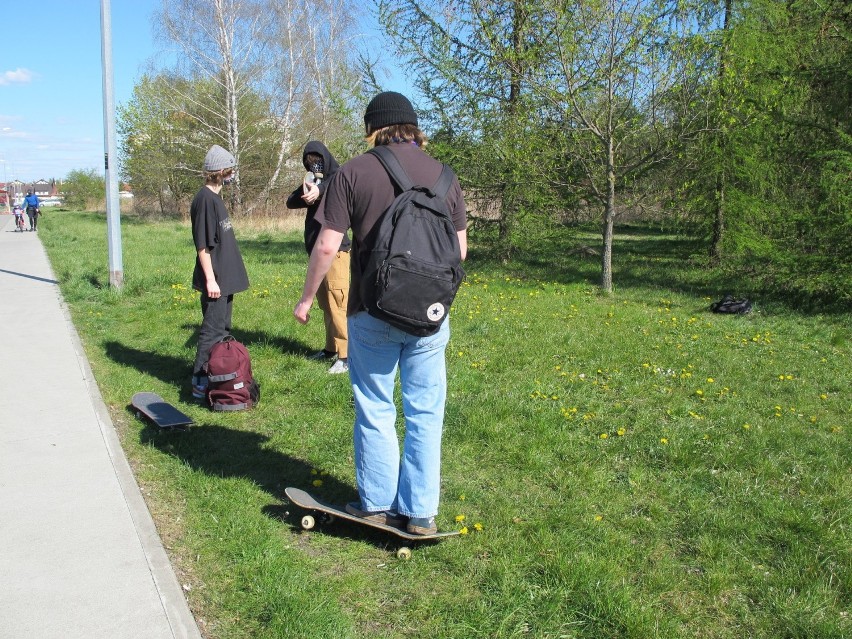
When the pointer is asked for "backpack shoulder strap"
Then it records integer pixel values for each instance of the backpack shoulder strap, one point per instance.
(445, 181)
(392, 166)
(400, 177)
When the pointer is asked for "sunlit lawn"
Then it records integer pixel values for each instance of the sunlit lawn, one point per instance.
(625, 466)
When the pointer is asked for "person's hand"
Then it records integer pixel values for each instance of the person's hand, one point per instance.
(213, 290)
(312, 192)
(302, 312)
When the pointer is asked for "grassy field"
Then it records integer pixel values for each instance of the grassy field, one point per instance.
(626, 466)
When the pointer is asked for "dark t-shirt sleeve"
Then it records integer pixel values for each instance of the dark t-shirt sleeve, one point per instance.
(206, 224)
(333, 211)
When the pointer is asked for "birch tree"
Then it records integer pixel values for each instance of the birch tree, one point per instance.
(268, 68)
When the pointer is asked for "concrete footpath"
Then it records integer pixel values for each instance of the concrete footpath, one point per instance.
(79, 553)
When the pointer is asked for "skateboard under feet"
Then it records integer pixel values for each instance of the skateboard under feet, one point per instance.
(329, 513)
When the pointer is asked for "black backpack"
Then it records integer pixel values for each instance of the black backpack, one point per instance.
(411, 277)
(732, 306)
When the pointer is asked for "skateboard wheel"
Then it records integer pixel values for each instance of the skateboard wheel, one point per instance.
(403, 553)
(328, 518)
(308, 522)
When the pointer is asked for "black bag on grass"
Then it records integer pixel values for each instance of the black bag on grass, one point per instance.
(730, 305)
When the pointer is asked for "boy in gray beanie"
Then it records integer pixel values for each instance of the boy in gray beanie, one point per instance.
(219, 270)
(394, 489)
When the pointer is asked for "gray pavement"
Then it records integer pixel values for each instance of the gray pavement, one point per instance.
(79, 553)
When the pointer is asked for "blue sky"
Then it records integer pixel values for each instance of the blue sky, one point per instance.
(51, 82)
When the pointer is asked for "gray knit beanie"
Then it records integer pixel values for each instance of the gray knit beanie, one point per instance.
(388, 108)
(217, 159)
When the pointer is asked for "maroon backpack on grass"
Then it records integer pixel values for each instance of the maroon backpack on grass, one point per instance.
(231, 385)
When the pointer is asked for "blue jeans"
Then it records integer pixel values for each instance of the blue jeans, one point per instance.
(410, 485)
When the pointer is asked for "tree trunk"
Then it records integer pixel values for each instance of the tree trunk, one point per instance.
(609, 216)
(721, 182)
(718, 220)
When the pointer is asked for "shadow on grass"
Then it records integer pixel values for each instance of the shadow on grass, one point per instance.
(176, 371)
(646, 258)
(286, 345)
(222, 452)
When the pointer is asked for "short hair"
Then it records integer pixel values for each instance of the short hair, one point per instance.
(218, 177)
(398, 133)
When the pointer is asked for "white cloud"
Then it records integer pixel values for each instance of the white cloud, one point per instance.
(18, 76)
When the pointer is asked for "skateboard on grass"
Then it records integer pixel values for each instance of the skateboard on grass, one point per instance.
(329, 513)
(160, 411)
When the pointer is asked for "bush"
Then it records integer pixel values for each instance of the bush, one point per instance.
(82, 188)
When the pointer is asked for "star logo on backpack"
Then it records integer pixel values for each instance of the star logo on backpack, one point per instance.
(436, 312)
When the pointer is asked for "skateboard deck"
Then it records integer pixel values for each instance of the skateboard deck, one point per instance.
(160, 411)
(304, 500)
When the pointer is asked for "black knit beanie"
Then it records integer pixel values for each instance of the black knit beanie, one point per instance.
(388, 108)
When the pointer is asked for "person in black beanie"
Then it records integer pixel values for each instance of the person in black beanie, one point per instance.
(394, 488)
(333, 293)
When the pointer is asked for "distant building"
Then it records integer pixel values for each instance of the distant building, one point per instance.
(16, 189)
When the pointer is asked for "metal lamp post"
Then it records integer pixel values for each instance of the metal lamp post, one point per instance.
(116, 270)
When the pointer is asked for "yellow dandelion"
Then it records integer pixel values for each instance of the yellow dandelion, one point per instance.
(746, 426)
(699, 392)
(317, 483)
(710, 380)
(603, 435)
(462, 497)
(478, 527)
(459, 518)
(620, 432)
(823, 396)
(314, 471)
(463, 531)
(598, 517)
(664, 440)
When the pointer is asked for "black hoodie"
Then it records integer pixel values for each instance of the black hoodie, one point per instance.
(295, 201)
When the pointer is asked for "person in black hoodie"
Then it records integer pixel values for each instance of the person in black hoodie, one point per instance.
(333, 293)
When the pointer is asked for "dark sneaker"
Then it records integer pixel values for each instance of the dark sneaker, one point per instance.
(422, 526)
(385, 517)
(340, 366)
(322, 355)
(199, 386)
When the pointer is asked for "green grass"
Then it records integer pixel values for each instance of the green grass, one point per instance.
(639, 466)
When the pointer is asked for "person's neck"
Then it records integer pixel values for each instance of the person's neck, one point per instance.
(216, 188)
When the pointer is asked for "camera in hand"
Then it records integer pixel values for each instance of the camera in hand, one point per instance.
(315, 173)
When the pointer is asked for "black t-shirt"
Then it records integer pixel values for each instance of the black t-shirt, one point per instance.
(361, 192)
(312, 227)
(212, 229)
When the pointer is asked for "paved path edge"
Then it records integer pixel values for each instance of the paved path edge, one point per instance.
(180, 618)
